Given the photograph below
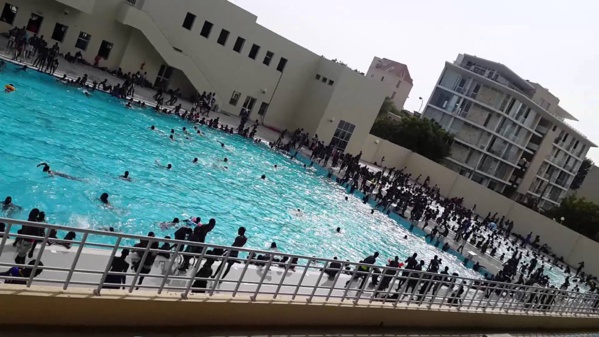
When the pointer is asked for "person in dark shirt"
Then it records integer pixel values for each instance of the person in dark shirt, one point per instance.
(144, 266)
(240, 241)
(183, 234)
(199, 286)
(389, 273)
(333, 269)
(118, 265)
(361, 271)
(199, 236)
(22, 273)
(414, 278)
(411, 263)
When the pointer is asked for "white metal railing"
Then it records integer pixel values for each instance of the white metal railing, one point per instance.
(190, 268)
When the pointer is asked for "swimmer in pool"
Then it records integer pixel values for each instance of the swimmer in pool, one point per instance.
(86, 93)
(221, 143)
(168, 166)
(128, 105)
(109, 229)
(125, 176)
(104, 199)
(153, 128)
(195, 160)
(167, 225)
(263, 177)
(9, 208)
(56, 173)
(23, 68)
(172, 138)
(338, 229)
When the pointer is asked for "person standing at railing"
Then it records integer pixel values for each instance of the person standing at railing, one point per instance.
(361, 271)
(199, 236)
(240, 241)
(389, 274)
(144, 266)
(118, 265)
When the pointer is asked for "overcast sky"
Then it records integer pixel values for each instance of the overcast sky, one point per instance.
(551, 42)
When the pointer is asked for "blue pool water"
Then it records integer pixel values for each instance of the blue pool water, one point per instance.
(97, 139)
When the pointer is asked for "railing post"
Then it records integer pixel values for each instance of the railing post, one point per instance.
(141, 264)
(286, 269)
(5, 237)
(221, 268)
(75, 260)
(245, 268)
(309, 299)
(301, 280)
(38, 258)
(267, 268)
(108, 265)
(168, 268)
(194, 271)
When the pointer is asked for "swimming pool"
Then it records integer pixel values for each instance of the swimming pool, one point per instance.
(97, 139)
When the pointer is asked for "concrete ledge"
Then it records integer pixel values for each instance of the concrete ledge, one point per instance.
(47, 306)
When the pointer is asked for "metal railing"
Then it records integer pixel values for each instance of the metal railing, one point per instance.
(94, 260)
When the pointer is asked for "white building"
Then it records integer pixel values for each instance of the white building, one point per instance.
(510, 134)
(211, 46)
(395, 76)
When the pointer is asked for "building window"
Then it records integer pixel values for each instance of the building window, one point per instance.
(189, 20)
(282, 64)
(254, 51)
(268, 58)
(342, 135)
(398, 84)
(317, 77)
(9, 13)
(239, 44)
(83, 40)
(324, 80)
(223, 37)
(206, 29)
(554, 128)
(235, 98)
(331, 82)
(382, 78)
(105, 48)
(249, 103)
(393, 95)
(263, 109)
(59, 32)
(35, 23)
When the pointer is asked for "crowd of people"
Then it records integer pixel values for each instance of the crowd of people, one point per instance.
(390, 190)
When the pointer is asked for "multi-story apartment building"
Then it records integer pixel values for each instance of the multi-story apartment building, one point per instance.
(395, 76)
(212, 46)
(510, 133)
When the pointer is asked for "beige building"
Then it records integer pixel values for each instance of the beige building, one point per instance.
(212, 46)
(590, 186)
(395, 76)
(511, 134)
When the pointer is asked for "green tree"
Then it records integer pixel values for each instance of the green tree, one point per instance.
(423, 136)
(388, 106)
(584, 169)
(579, 215)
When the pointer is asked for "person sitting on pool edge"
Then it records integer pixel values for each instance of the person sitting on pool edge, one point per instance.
(56, 173)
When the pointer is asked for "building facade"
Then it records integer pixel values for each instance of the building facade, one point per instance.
(212, 46)
(510, 134)
(395, 76)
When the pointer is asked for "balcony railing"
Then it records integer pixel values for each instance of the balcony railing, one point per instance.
(193, 269)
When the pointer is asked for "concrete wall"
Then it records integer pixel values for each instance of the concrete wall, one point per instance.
(573, 247)
(33, 308)
(100, 25)
(355, 100)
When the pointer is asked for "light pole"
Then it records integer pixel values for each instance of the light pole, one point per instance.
(421, 103)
